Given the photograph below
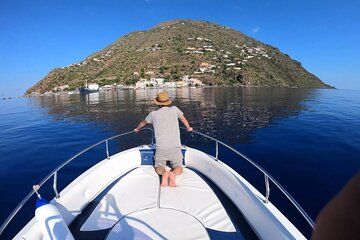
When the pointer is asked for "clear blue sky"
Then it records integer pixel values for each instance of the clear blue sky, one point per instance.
(37, 36)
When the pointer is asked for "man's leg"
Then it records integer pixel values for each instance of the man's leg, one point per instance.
(164, 175)
(172, 175)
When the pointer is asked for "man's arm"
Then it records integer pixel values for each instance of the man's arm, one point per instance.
(186, 123)
(140, 125)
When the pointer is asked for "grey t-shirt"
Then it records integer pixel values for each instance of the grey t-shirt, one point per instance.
(166, 125)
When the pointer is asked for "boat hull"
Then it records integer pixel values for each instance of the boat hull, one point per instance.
(125, 187)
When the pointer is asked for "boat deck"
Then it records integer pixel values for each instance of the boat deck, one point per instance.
(121, 197)
(135, 207)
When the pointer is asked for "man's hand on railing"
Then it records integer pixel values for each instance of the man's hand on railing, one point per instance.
(189, 129)
(140, 125)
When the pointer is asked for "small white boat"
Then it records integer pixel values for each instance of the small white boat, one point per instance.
(120, 198)
(89, 88)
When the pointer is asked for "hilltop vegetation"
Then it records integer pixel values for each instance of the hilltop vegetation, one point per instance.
(207, 51)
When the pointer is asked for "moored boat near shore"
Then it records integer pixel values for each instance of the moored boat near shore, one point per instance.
(89, 88)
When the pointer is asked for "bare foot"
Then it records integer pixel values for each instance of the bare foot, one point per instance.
(172, 182)
(165, 179)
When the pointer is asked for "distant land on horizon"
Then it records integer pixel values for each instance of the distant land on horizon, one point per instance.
(214, 54)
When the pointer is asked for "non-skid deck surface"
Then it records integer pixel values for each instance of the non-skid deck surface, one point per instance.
(137, 207)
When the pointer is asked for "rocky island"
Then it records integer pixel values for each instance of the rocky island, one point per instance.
(214, 54)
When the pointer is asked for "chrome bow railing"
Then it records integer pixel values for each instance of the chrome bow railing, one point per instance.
(54, 174)
(267, 176)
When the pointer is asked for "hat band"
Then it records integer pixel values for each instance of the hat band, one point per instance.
(161, 100)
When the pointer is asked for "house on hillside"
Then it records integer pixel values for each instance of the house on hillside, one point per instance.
(206, 67)
(150, 73)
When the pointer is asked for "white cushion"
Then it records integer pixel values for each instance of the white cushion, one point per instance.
(194, 196)
(158, 223)
(137, 190)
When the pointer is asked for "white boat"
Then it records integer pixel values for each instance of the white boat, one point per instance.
(120, 197)
(89, 88)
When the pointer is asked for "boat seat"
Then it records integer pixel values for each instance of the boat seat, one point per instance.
(193, 195)
(158, 223)
(137, 190)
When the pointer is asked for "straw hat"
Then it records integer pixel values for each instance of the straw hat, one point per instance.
(162, 99)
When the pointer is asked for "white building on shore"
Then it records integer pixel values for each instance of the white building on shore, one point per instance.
(160, 83)
(192, 81)
(170, 85)
(93, 86)
(153, 82)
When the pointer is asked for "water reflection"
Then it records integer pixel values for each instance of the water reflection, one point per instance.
(229, 114)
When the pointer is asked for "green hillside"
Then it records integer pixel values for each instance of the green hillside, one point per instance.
(212, 53)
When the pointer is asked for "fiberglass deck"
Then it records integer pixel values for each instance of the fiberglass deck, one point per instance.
(136, 207)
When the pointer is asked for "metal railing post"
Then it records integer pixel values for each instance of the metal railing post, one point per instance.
(152, 137)
(217, 150)
(267, 187)
(107, 149)
(55, 185)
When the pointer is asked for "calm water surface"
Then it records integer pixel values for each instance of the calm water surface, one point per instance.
(309, 140)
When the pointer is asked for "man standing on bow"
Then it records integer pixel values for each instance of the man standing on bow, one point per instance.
(167, 135)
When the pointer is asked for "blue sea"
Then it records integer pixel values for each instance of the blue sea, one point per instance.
(307, 139)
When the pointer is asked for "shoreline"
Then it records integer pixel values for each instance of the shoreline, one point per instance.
(130, 87)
